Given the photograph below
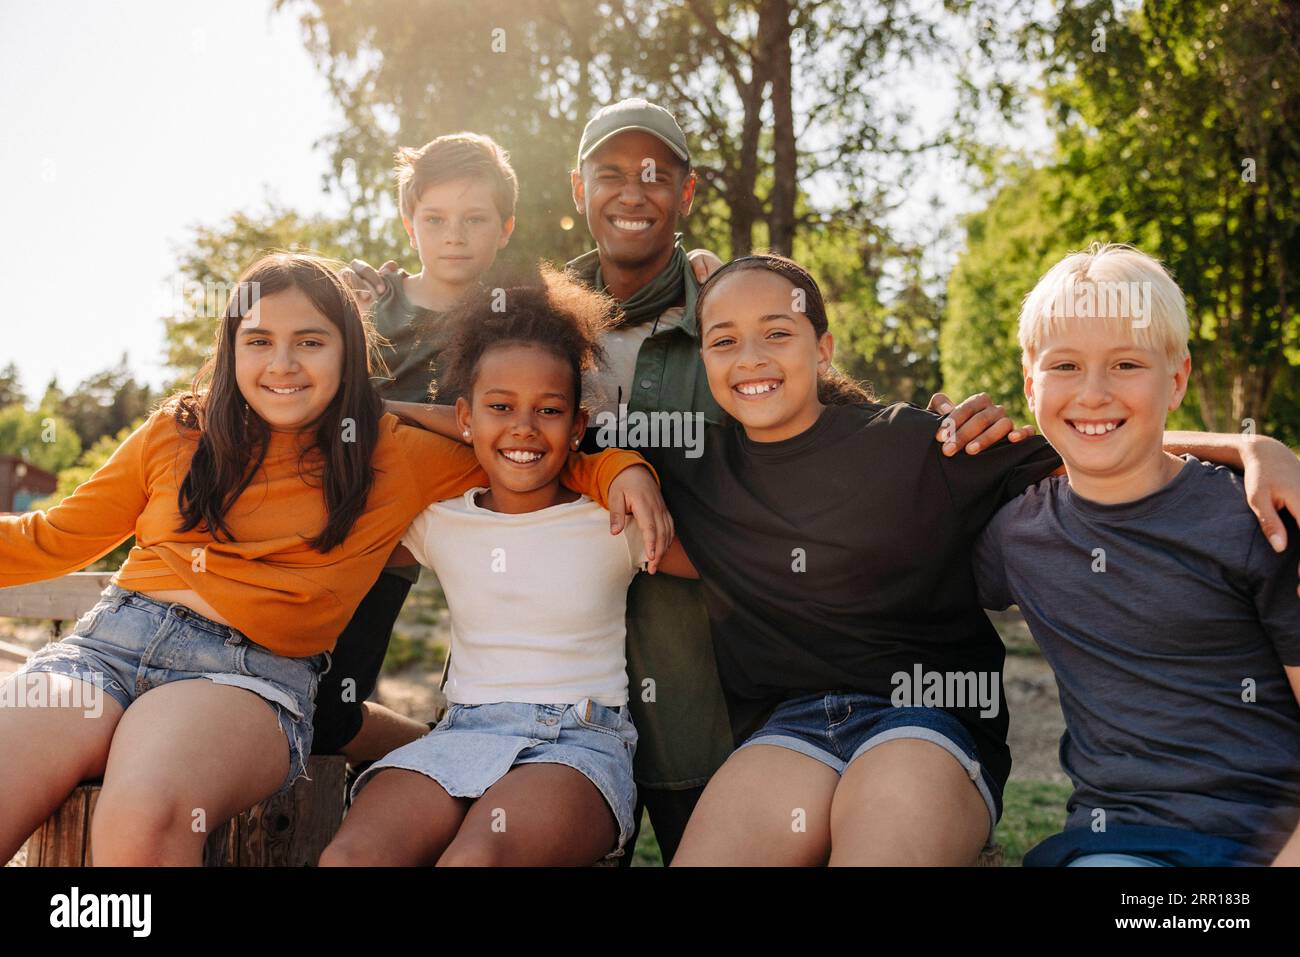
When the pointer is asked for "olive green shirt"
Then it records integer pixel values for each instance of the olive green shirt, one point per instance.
(674, 692)
(416, 338)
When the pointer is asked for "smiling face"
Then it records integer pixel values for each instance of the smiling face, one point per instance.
(632, 220)
(457, 230)
(288, 360)
(1101, 399)
(523, 423)
(762, 356)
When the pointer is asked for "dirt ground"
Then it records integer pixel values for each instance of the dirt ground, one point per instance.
(1036, 721)
(420, 642)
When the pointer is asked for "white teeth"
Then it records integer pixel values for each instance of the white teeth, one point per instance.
(1095, 428)
(634, 224)
(520, 457)
(757, 388)
(286, 391)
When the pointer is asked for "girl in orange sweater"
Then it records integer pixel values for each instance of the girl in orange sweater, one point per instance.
(263, 508)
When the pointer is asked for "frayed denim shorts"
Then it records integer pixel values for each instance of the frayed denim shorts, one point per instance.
(476, 744)
(839, 727)
(130, 643)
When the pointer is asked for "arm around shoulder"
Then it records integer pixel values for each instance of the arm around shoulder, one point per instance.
(439, 419)
(593, 475)
(438, 467)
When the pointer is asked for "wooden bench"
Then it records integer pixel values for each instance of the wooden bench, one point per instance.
(286, 831)
(289, 830)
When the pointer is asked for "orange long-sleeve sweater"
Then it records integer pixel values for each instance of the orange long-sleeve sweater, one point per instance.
(268, 582)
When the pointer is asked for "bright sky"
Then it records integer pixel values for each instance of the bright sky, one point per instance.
(125, 125)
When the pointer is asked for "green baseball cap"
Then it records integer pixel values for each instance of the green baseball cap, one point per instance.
(633, 114)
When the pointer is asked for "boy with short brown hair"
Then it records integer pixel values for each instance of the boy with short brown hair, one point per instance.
(457, 196)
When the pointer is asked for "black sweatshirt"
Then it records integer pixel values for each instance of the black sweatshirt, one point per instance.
(836, 559)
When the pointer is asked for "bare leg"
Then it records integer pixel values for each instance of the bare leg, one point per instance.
(382, 732)
(907, 803)
(401, 818)
(537, 815)
(187, 756)
(45, 752)
(767, 805)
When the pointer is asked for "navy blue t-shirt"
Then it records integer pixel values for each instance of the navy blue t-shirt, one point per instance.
(1167, 621)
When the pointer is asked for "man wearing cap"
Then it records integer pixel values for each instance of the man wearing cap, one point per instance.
(634, 183)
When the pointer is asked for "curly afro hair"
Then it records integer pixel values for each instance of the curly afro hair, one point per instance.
(544, 308)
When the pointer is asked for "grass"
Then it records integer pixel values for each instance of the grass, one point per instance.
(1015, 633)
(416, 639)
(647, 852)
(405, 650)
(1032, 811)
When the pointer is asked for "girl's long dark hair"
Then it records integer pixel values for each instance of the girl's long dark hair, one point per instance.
(233, 439)
(833, 386)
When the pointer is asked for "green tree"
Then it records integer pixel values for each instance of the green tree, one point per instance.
(74, 475)
(42, 438)
(773, 94)
(212, 260)
(1178, 127)
(1009, 245)
(11, 387)
(1028, 226)
(882, 314)
(105, 402)
(526, 72)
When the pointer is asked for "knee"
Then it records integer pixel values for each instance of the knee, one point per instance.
(349, 853)
(476, 852)
(131, 828)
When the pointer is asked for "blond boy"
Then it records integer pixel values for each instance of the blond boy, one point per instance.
(1171, 622)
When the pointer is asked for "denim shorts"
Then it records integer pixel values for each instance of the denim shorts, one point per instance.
(1144, 845)
(476, 744)
(838, 727)
(129, 643)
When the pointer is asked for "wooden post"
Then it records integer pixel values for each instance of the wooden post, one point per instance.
(289, 830)
(991, 857)
(61, 841)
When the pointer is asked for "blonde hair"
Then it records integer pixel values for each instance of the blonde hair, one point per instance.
(456, 156)
(1112, 283)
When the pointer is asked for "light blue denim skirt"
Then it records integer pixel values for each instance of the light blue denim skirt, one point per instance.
(476, 744)
(130, 643)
